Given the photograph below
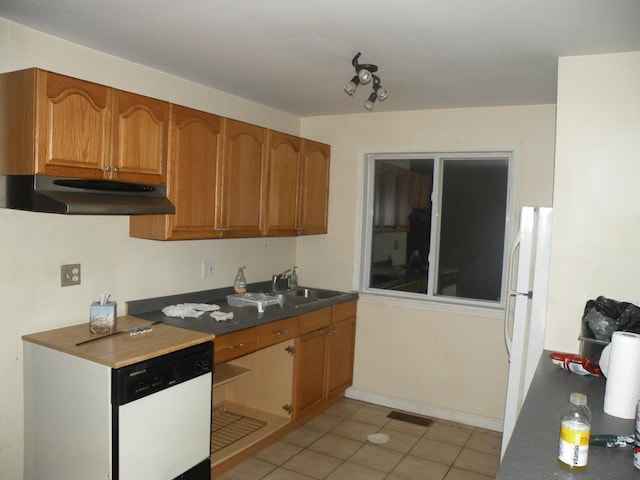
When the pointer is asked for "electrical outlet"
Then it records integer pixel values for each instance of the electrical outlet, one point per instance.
(208, 267)
(69, 275)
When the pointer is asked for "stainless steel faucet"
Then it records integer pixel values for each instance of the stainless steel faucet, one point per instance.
(278, 278)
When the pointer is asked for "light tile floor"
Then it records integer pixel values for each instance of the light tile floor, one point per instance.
(334, 446)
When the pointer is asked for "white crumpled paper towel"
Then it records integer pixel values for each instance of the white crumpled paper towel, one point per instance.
(189, 309)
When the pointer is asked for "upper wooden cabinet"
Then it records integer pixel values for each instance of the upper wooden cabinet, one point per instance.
(282, 184)
(193, 179)
(61, 126)
(140, 131)
(314, 188)
(243, 169)
(420, 190)
(297, 186)
(397, 191)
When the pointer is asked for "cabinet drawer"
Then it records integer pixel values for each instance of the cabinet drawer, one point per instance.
(343, 310)
(314, 320)
(234, 345)
(276, 332)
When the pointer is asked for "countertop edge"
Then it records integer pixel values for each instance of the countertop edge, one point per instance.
(119, 350)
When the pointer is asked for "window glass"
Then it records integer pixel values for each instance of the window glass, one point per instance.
(472, 227)
(436, 226)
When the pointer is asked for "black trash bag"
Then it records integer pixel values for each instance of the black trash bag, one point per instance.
(603, 316)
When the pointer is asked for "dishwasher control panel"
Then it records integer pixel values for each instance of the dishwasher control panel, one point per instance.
(150, 376)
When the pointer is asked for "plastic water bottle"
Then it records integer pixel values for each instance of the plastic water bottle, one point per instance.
(575, 427)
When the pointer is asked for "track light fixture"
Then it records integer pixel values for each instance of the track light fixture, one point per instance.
(364, 73)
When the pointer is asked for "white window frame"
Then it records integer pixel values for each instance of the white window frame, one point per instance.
(419, 300)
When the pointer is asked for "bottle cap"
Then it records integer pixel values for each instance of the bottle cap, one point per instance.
(578, 398)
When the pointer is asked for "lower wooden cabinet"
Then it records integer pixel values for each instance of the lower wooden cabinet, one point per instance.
(270, 378)
(340, 349)
(251, 401)
(309, 372)
(323, 366)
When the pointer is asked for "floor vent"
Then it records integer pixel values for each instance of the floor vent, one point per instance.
(407, 417)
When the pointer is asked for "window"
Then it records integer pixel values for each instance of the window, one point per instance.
(436, 226)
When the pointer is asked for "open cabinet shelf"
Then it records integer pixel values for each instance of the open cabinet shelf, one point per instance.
(228, 372)
(250, 394)
(243, 427)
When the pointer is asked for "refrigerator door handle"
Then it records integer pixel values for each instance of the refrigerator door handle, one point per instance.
(507, 316)
(511, 292)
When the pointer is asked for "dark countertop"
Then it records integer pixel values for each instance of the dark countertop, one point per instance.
(532, 451)
(243, 317)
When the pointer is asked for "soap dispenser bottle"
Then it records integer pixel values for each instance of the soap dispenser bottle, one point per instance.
(293, 279)
(240, 283)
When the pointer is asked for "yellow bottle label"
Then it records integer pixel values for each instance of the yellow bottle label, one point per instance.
(573, 449)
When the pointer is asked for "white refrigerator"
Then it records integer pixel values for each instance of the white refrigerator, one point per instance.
(526, 308)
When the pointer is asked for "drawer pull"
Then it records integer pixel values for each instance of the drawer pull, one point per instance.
(282, 332)
(236, 346)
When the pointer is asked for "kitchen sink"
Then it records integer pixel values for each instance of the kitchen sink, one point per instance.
(315, 293)
(288, 300)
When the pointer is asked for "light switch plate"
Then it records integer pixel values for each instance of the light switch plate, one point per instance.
(208, 269)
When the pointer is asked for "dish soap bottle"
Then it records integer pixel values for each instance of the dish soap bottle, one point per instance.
(573, 450)
(240, 283)
(293, 279)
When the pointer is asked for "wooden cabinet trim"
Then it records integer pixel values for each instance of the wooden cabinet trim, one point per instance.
(235, 344)
(315, 320)
(341, 311)
(278, 331)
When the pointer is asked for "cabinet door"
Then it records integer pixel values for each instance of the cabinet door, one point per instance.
(340, 349)
(140, 131)
(282, 180)
(425, 191)
(420, 190)
(243, 166)
(403, 199)
(73, 126)
(389, 184)
(314, 188)
(196, 144)
(309, 368)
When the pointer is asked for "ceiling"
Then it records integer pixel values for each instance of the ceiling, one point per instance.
(295, 55)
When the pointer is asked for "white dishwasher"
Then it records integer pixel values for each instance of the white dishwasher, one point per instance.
(150, 420)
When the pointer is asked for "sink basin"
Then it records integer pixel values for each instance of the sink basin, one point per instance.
(288, 300)
(315, 293)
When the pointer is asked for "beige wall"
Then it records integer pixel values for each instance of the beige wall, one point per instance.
(406, 353)
(34, 245)
(596, 225)
(411, 356)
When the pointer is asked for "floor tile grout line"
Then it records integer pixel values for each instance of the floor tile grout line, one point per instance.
(350, 415)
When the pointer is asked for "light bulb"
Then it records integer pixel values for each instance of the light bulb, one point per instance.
(370, 101)
(382, 93)
(364, 75)
(351, 87)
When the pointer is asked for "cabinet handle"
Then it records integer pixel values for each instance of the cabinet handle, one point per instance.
(116, 169)
(282, 332)
(331, 333)
(108, 168)
(236, 346)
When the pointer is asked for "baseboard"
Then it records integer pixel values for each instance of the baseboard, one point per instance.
(425, 409)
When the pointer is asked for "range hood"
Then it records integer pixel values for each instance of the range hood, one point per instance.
(40, 193)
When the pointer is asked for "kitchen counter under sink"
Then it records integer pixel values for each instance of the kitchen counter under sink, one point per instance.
(243, 317)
